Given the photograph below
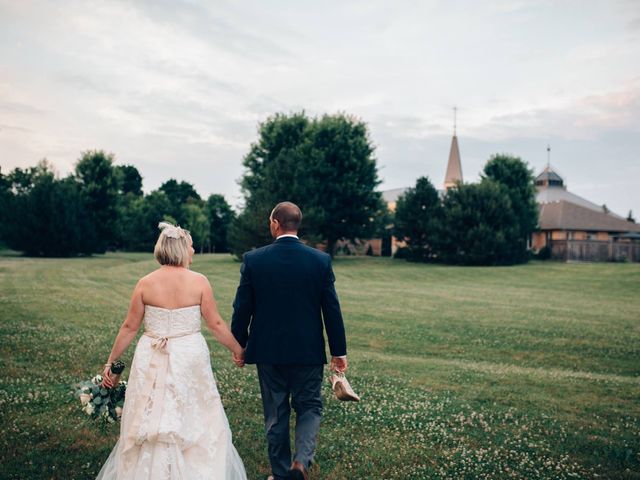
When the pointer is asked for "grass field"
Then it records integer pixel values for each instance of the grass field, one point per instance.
(517, 372)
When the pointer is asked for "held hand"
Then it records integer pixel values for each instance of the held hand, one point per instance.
(338, 364)
(238, 358)
(107, 381)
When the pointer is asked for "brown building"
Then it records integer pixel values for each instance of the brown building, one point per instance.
(573, 228)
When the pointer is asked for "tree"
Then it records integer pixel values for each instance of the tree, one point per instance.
(179, 193)
(220, 217)
(141, 221)
(129, 189)
(129, 180)
(418, 219)
(48, 216)
(5, 203)
(518, 179)
(99, 184)
(325, 165)
(479, 225)
(197, 222)
(630, 217)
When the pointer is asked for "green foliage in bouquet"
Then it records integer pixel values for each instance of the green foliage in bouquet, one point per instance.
(101, 404)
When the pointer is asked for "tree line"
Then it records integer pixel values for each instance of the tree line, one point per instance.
(100, 206)
(324, 164)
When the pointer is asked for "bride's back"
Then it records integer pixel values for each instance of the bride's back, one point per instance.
(172, 287)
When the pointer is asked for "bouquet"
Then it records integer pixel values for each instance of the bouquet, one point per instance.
(100, 403)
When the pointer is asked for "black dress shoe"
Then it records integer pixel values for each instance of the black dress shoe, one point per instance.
(298, 472)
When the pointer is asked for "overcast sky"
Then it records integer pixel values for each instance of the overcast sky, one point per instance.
(178, 88)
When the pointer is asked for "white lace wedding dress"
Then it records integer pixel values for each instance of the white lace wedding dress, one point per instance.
(173, 423)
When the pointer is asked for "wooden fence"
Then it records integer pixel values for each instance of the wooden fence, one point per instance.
(595, 251)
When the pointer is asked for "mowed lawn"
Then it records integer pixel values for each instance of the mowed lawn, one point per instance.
(517, 372)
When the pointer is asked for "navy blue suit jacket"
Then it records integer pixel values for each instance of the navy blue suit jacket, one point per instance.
(285, 295)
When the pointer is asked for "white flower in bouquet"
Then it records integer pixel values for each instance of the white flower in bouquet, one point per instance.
(89, 408)
(118, 412)
(85, 398)
(97, 380)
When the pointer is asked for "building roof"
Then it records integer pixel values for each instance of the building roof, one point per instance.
(393, 194)
(454, 167)
(551, 195)
(565, 215)
(549, 175)
(551, 188)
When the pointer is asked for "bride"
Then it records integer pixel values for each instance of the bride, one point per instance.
(173, 423)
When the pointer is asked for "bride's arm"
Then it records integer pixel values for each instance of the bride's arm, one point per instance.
(127, 332)
(214, 321)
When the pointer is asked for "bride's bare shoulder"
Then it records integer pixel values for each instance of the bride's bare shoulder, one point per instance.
(150, 279)
(149, 276)
(199, 277)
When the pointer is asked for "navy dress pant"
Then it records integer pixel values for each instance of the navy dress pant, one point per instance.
(283, 387)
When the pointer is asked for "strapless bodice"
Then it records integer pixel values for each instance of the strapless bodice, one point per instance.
(175, 321)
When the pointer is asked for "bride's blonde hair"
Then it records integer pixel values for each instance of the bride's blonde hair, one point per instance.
(172, 247)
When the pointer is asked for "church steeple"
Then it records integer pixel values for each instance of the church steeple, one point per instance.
(454, 167)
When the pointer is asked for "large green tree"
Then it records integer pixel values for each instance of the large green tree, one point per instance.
(325, 165)
(418, 219)
(99, 184)
(518, 179)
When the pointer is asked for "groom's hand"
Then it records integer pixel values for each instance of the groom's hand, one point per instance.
(238, 359)
(338, 364)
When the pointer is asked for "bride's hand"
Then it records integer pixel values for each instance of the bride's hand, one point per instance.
(238, 358)
(107, 382)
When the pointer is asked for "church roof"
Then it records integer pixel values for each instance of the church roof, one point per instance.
(551, 188)
(393, 194)
(454, 167)
(565, 215)
(549, 174)
(550, 195)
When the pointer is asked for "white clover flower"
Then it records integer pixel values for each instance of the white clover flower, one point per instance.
(89, 408)
(118, 412)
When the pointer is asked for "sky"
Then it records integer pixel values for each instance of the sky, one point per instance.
(178, 88)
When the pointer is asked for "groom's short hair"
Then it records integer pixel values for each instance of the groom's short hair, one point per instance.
(288, 216)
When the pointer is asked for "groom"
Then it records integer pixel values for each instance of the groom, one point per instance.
(285, 295)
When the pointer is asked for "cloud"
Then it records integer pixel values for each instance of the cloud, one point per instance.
(580, 118)
(634, 25)
(178, 87)
(19, 108)
(14, 128)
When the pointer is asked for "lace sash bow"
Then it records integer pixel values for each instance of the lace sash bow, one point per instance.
(155, 379)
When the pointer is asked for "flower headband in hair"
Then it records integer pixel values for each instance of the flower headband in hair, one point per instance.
(171, 231)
